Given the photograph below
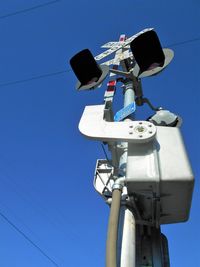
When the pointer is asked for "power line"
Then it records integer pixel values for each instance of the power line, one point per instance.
(29, 200)
(28, 239)
(184, 42)
(104, 151)
(34, 78)
(28, 9)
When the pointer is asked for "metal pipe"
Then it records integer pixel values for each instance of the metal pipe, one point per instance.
(127, 226)
(111, 244)
(126, 231)
(129, 94)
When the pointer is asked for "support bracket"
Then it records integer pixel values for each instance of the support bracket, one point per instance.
(93, 126)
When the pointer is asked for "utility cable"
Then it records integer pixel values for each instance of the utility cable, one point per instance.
(104, 151)
(184, 42)
(28, 9)
(34, 78)
(112, 235)
(29, 200)
(28, 239)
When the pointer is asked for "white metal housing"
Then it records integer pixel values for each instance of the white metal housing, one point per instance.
(160, 177)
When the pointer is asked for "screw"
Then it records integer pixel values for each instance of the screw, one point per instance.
(140, 129)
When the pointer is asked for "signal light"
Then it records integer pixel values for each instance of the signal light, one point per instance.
(149, 55)
(86, 69)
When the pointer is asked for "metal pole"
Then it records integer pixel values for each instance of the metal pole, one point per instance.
(129, 94)
(127, 239)
(126, 230)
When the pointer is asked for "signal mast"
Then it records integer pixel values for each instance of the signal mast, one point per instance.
(148, 180)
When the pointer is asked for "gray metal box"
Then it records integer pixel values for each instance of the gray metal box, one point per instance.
(160, 178)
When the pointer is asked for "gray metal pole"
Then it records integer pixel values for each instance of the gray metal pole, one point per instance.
(149, 245)
(127, 226)
(129, 94)
(129, 97)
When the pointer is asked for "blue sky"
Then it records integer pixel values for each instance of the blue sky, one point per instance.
(46, 166)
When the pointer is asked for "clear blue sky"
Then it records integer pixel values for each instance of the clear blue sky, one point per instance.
(46, 166)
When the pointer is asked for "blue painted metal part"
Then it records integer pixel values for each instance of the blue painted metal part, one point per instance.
(125, 112)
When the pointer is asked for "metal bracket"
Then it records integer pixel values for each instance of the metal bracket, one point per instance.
(103, 181)
(140, 101)
(108, 112)
(93, 126)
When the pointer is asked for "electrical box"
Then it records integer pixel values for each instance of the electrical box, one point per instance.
(160, 178)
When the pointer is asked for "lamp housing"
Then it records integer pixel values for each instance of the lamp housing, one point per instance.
(89, 73)
(149, 55)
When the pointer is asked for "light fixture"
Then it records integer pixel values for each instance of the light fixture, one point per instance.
(149, 55)
(90, 75)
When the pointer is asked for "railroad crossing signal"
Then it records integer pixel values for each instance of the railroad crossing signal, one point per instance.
(151, 176)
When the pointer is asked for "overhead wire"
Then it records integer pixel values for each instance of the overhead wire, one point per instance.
(28, 239)
(184, 42)
(104, 151)
(39, 76)
(34, 78)
(4, 206)
(29, 200)
(21, 81)
(28, 9)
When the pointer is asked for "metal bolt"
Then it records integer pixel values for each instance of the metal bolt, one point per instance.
(140, 129)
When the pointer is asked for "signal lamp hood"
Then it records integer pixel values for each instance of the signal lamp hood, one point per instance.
(149, 55)
(89, 73)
